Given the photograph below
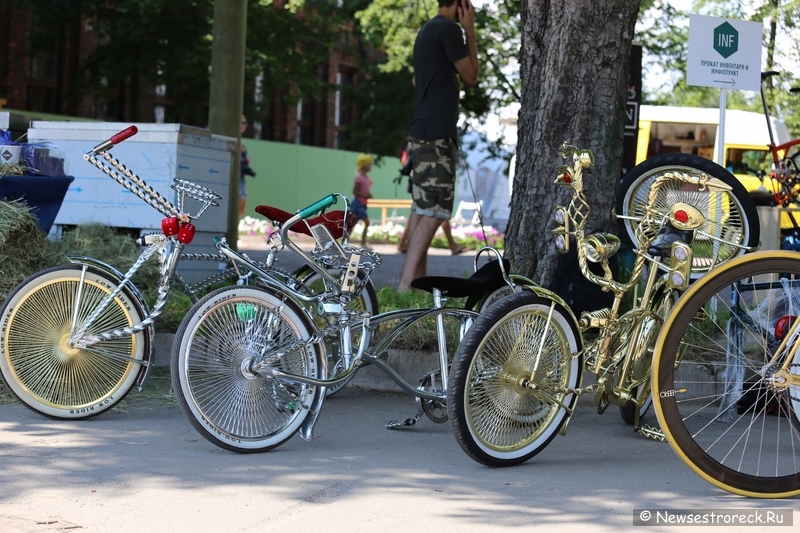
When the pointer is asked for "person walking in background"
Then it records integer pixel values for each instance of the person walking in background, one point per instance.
(439, 54)
(362, 192)
(245, 171)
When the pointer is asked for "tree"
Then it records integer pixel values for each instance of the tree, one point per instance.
(573, 66)
(141, 44)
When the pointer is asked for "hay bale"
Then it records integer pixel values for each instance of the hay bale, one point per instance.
(23, 245)
(107, 244)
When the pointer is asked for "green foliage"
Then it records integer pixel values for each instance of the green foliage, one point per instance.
(142, 44)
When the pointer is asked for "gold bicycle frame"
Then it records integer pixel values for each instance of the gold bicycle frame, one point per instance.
(623, 341)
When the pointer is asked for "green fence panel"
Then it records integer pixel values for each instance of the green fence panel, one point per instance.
(291, 176)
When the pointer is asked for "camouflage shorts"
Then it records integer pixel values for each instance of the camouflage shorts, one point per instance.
(434, 177)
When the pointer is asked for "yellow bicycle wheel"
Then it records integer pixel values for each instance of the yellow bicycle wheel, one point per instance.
(512, 380)
(726, 400)
(37, 363)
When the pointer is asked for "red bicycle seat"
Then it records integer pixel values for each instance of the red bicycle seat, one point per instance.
(332, 220)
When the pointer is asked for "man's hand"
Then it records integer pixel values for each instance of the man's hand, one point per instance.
(466, 15)
(468, 67)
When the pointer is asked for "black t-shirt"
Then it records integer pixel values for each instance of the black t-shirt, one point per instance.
(439, 44)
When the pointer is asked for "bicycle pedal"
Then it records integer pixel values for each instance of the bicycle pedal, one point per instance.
(651, 432)
(408, 422)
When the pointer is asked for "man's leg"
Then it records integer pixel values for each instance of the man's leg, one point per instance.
(455, 248)
(364, 235)
(418, 244)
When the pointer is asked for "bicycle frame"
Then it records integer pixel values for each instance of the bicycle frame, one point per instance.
(169, 245)
(779, 151)
(784, 168)
(334, 301)
(177, 233)
(619, 356)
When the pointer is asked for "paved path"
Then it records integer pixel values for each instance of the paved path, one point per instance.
(145, 468)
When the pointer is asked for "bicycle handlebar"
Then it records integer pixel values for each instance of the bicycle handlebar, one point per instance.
(317, 206)
(127, 133)
(117, 138)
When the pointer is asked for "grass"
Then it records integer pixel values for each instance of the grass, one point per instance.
(119, 249)
(158, 391)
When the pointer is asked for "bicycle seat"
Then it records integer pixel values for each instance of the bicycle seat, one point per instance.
(332, 220)
(486, 279)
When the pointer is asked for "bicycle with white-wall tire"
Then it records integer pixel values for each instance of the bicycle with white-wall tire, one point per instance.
(518, 373)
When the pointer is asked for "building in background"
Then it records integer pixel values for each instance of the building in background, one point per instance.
(47, 80)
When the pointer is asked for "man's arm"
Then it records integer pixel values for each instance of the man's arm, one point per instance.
(468, 67)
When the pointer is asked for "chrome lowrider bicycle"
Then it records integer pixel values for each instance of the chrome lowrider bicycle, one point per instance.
(75, 339)
(251, 363)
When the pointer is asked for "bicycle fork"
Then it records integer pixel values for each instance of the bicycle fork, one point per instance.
(169, 256)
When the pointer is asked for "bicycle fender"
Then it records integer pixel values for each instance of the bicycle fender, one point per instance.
(149, 333)
(550, 295)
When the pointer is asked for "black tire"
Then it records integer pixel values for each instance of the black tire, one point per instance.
(367, 301)
(714, 397)
(739, 222)
(237, 409)
(496, 420)
(36, 362)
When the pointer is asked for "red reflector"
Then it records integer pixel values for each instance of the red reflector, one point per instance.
(567, 178)
(782, 326)
(681, 216)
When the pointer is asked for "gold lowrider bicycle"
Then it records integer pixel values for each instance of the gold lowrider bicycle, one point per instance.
(518, 373)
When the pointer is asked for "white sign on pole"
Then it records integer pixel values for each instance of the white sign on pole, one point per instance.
(724, 53)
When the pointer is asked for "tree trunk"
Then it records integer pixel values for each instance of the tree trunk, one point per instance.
(574, 71)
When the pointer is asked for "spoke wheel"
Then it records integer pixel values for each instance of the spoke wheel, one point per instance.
(503, 407)
(718, 393)
(214, 357)
(37, 363)
(730, 216)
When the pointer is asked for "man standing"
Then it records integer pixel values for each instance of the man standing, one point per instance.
(439, 54)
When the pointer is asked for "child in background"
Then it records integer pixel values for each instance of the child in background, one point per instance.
(362, 192)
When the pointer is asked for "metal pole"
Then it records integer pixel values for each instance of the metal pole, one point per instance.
(227, 91)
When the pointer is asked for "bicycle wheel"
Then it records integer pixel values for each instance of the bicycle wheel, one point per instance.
(497, 418)
(216, 344)
(715, 396)
(731, 217)
(367, 301)
(38, 365)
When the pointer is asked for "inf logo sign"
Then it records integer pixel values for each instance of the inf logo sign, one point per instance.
(724, 53)
(726, 40)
